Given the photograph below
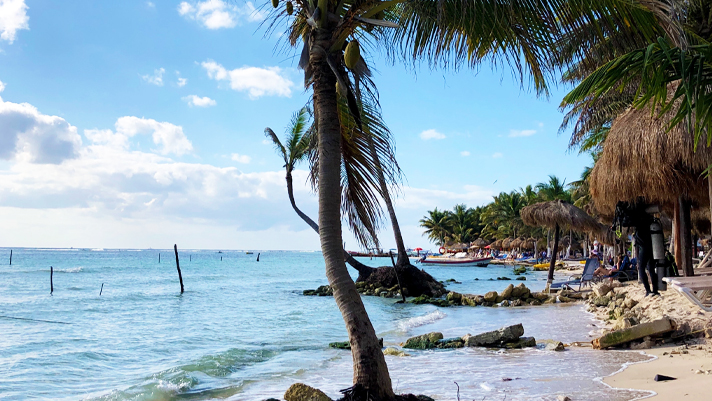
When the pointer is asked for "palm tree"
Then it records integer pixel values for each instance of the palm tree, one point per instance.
(436, 225)
(296, 149)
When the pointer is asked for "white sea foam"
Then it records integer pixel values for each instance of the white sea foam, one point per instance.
(407, 324)
(71, 270)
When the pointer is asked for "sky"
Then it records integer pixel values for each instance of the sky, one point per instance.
(139, 124)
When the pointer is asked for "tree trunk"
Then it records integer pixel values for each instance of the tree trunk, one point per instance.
(370, 369)
(685, 237)
(402, 254)
(363, 271)
(552, 264)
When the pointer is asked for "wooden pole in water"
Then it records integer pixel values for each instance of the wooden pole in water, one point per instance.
(180, 276)
(258, 256)
(159, 258)
(51, 280)
(395, 270)
(190, 258)
(10, 257)
(102, 289)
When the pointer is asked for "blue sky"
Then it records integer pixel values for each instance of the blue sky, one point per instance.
(140, 124)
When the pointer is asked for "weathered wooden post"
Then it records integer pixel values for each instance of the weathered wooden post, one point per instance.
(10, 257)
(180, 276)
(102, 289)
(159, 258)
(395, 270)
(258, 256)
(51, 280)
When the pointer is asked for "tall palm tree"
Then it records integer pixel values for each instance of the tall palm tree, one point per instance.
(298, 140)
(436, 225)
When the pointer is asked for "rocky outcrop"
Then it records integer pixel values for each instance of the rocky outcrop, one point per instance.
(302, 392)
(424, 341)
(495, 338)
(618, 337)
(555, 346)
(347, 345)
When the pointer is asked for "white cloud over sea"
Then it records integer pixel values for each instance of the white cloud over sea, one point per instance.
(13, 17)
(257, 82)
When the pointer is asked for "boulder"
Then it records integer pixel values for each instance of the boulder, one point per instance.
(424, 341)
(602, 289)
(540, 296)
(563, 398)
(601, 301)
(630, 303)
(454, 297)
(523, 342)
(455, 342)
(496, 337)
(565, 299)
(491, 296)
(516, 302)
(520, 291)
(302, 392)
(535, 302)
(507, 292)
(504, 303)
(619, 337)
(521, 278)
(394, 352)
(555, 346)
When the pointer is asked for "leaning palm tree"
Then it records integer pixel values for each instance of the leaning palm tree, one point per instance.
(436, 225)
(298, 141)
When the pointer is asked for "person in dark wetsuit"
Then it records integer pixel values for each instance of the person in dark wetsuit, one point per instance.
(644, 249)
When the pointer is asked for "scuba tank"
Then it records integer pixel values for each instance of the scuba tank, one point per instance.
(656, 232)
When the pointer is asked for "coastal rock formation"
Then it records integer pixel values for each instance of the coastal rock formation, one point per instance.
(506, 337)
(496, 337)
(642, 330)
(394, 352)
(302, 392)
(555, 346)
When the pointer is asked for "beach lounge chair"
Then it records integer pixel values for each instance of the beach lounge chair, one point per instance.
(586, 277)
(697, 289)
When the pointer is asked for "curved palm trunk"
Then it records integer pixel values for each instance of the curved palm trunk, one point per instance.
(552, 264)
(370, 369)
(363, 271)
(402, 254)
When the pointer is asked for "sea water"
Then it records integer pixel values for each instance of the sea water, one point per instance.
(243, 331)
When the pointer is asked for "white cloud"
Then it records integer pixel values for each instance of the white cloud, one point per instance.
(216, 14)
(464, 153)
(2, 86)
(426, 199)
(198, 101)
(181, 82)
(150, 4)
(32, 137)
(241, 158)
(431, 134)
(156, 78)
(257, 82)
(170, 137)
(497, 155)
(521, 133)
(13, 17)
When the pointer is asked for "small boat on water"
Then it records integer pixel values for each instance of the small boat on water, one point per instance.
(456, 261)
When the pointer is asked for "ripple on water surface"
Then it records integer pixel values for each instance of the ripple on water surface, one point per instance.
(242, 331)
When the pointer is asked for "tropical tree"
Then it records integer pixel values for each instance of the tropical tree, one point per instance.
(436, 224)
(298, 143)
(501, 217)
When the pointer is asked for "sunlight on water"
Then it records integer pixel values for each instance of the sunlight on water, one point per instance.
(243, 331)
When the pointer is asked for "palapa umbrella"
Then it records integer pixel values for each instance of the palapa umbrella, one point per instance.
(641, 158)
(516, 243)
(480, 243)
(557, 214)
(507, 243)
(496, 245)
(458, 247)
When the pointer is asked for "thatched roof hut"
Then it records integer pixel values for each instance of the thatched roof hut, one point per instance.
(528, 244)
(641, 158)
(507, 243)
(480, 243)
(558, 213)
(516, 243)
(496, 244)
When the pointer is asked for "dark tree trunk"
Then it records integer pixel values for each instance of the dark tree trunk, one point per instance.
(552, 264)
(180, 275)
(363, 271)
(369, 364)
(685, 237)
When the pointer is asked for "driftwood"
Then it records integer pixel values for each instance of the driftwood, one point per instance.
(180, 276)
(620, 337)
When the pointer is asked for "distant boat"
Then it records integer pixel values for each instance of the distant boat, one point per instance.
(219, 251)
(456, 261)
(248, 253)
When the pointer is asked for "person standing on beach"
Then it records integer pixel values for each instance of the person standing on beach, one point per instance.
(637, 217)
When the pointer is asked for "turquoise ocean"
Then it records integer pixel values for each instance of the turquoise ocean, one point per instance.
(243, 331)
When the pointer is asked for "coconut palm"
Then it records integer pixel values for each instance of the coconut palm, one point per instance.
(436, 225)
(299, 137)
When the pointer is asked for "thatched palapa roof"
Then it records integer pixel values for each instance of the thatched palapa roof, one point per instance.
(553, 213)
(479, 243)
(507, 243)
(641, 158)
